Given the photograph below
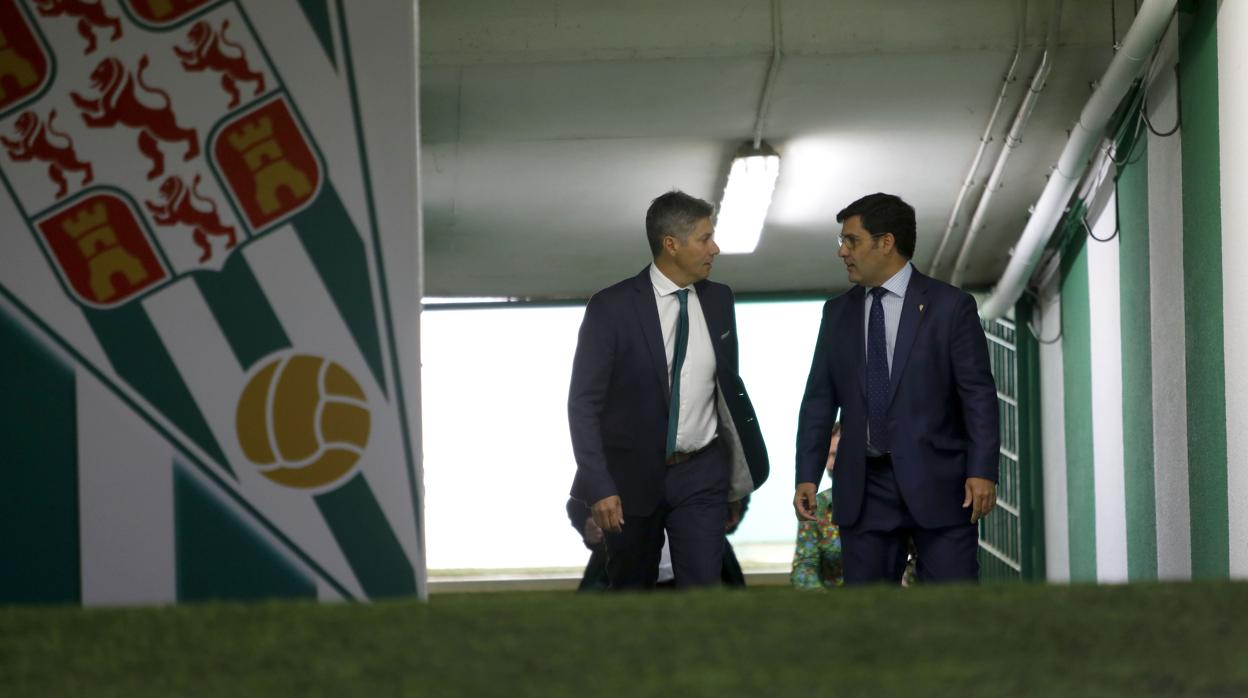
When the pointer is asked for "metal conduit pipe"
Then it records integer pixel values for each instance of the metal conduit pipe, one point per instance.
(1012, 140)
(1146, 30)
(1010, 75)
(773, 67)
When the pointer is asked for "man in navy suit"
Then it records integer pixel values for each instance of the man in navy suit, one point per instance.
(664, 435)
(903, 358)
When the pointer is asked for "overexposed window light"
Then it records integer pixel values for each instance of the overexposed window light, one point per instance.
(747, 197)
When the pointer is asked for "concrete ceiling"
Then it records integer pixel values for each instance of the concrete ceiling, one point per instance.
(549, 125)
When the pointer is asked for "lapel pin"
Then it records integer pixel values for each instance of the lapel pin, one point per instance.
(920, 307)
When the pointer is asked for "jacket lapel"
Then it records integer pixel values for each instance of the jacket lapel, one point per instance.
(854, 333)
(908, 329)
(648, 316)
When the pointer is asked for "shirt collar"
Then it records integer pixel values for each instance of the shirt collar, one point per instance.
(663, 285)
(899, 282)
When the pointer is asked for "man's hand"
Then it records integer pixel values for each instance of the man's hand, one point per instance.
(591, 532)
(734, 516)
(804, 501)
(981, 496)
(608, 513)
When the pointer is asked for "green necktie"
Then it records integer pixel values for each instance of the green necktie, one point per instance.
(678, 361)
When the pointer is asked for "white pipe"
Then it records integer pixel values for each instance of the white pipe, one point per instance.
(1012, 140)
(1150, 23)
(772, 69)
(1010, 75)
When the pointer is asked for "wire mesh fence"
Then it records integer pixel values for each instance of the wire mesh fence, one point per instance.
(1000, 533)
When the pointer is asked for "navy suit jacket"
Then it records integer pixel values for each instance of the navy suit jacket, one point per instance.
(942, 412)
(618, 399)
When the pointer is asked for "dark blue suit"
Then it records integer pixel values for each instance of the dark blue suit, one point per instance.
(942, 417)
(618, 404)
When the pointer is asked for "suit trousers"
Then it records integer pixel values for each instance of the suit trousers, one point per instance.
(693, 512)
(874, 548)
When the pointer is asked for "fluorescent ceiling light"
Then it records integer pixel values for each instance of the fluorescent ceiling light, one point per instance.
(747, 197)
(465, 300)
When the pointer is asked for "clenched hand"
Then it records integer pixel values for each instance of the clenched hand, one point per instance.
(608, 513)
(804, 501)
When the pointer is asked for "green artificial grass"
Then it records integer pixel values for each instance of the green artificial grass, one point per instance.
(994, 640)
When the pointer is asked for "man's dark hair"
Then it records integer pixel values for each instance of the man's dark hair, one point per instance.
(674, 213)
(885, 213)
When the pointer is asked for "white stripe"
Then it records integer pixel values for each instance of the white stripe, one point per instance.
(201, 355)
(1104, 318)
(208, 365)
(1053, 435)
(1168, 329)
(125, 491)
(312, 322)
(394, 162)
(325, 592)
(1233, 114)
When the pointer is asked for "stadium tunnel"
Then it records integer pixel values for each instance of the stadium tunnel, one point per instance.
(290, 290)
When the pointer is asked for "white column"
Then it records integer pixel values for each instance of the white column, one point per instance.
(1105, 320)
(1168, 328)
(1233, 115)
(1053, 437)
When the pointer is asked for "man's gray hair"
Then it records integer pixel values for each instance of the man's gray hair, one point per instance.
(674, 213)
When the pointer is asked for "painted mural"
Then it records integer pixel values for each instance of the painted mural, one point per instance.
(194, 257)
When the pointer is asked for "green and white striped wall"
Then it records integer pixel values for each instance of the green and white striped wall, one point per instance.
(1143, 409)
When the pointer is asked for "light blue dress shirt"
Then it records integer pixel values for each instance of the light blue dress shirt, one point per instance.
(893, 301)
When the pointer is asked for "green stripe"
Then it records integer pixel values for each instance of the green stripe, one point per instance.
(139, 356)
(317, 12)
(1030, 453)
(1202, 293)
(1137, 367)
(337, 252)
(39, 545)
(243, 311)
(367, 539)
(219, 556)
(1077, 369)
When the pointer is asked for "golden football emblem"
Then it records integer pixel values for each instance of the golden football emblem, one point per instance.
(303, 420)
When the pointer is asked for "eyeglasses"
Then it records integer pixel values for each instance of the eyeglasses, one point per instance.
(850, 241)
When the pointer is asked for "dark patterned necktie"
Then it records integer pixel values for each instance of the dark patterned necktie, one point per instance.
(678, 361)
(877, 373)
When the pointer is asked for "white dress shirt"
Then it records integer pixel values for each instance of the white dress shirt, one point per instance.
(698, 423)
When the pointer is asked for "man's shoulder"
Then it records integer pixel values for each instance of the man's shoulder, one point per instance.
(931, 284)
(840, 300)
(937, 289)
(618, 288)
(617, 291)
(713, 289)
